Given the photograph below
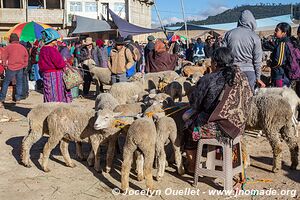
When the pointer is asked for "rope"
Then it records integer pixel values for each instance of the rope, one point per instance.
(177, 110)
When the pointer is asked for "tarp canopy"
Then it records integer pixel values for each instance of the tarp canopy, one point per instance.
(88, 25)
(125, 28)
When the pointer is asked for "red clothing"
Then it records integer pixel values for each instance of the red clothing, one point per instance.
(50, 60)
(15, 56)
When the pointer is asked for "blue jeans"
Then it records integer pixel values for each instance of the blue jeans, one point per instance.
(9, 75)
(115, 78)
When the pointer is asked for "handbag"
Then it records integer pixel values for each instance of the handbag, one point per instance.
(72, 77)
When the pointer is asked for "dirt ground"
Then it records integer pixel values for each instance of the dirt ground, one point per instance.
(82, 182)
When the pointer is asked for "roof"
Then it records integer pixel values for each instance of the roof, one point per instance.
(262, 24)
(88, 25)
(125, 28)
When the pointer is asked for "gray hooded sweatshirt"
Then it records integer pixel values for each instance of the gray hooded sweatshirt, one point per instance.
(245, 44)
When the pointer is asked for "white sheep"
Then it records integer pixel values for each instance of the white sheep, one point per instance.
(105, 101)
(102, 76)
(273, 115)
(124, 91)
(70, 124)
(166, 130)
(37, 128)
(290, 95)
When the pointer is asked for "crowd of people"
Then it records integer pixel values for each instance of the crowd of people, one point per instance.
(236, 63)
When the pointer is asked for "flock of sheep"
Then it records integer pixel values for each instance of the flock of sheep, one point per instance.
(145, 112)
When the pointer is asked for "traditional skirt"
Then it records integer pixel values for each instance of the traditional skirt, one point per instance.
(197, 128)
(54, 88)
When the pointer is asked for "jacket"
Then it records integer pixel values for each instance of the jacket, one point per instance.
(280, 53)
(50, 60)
(15, 56)
(120, 61)
(95, 55)
(245, 44)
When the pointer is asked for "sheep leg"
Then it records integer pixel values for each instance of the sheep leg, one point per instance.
(178, 160)
(95, 153)
(64, 144)
(97, 86)
(110, 153)
(52, 142)
(176, 141)
(295, 123)
(27, 143)
(161, 157)
(126, 165)
(139, 165)
(289, 137)
(274, 140)
(79, 153)
(149, 157)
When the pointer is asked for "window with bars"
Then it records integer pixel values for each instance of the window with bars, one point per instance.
(90, 7)
(75, 6)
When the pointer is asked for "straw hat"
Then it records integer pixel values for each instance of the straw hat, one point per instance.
(88, 41)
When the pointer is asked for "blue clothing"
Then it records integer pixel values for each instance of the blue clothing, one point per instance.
(109, 48)
(199, 49)
(9, 75)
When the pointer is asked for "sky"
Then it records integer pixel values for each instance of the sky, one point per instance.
(170, 10)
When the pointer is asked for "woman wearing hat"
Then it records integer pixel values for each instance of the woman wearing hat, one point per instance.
(51, 65)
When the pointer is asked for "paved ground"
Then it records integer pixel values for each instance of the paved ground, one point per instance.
(82, 182)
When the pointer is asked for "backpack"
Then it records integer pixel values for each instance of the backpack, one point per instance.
(135, 52)
(293, 66)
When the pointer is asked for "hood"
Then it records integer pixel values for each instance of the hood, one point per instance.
(247, 20)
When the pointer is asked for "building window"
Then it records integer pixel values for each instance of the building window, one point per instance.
(104, 10)
(90, 7)
(75, 6)
(119, 8)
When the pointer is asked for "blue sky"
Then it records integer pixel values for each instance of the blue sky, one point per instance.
(170, 10)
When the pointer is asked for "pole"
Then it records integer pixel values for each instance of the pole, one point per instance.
(26, 10)
(185, 24)
(163, 28)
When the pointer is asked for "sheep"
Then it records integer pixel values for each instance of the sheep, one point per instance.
(290, 95)
(36, 118)
(161, 98)
(102, 76)
(124, 91)
(172, 88)
(105, 101)
(130, 109)
(190, 70)
(166, 130)
(273, 115)
(151, 80)
(72, 124)
(140, 130)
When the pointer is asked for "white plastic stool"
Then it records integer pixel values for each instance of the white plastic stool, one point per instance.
(228, 171)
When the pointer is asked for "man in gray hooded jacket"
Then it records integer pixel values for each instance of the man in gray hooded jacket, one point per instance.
(246, 48)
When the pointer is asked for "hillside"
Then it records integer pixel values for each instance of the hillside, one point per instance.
(260, 11)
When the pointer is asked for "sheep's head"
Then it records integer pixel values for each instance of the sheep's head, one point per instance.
(162, 99)
(163, 82)
(105, 119)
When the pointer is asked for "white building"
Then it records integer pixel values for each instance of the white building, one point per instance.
(137, 12)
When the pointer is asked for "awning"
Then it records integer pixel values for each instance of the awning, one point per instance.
(88, 25)
(125, 28)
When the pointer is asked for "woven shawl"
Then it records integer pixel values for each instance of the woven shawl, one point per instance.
(231, 111)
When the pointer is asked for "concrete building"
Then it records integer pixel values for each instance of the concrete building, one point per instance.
(13, 12)
(137, 12)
